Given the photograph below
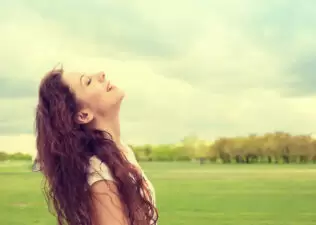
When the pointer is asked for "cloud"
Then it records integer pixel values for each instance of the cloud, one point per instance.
(27, 88)
(303, 73)
(17, 115)
(24, 143)
(189, 67)
(116, 27)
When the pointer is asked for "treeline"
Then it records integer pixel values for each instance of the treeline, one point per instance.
(15, 156)
(278, 147)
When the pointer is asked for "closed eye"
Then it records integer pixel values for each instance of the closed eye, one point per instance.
(89, 81)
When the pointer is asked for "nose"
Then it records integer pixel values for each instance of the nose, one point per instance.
(101, 76)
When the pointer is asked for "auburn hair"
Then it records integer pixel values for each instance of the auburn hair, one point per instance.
(64, 148)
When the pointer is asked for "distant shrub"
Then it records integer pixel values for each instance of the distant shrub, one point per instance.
(20, 156)
(15, 156)
(3, 156)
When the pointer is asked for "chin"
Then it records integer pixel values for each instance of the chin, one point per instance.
(121, 98)
(121, 94)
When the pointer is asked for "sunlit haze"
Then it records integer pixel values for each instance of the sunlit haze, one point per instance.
(208, 68)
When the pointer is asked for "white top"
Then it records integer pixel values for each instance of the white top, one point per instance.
(100, 171)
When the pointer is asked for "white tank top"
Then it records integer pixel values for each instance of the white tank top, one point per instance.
(100, 171)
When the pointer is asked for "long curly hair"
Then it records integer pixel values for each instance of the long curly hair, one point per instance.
(64, 149)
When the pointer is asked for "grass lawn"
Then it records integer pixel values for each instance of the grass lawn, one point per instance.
(188, 194)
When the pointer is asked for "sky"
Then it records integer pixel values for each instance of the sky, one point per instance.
(205, 68)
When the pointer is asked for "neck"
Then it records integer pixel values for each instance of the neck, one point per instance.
(110, 125)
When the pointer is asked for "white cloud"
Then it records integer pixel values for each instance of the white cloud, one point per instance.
(222, 81)
(18, 143)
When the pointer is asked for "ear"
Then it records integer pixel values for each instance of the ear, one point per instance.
(84, 116)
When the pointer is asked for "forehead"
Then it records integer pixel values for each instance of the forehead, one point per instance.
(72, 79)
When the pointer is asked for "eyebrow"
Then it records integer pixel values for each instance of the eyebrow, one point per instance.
(81, 78)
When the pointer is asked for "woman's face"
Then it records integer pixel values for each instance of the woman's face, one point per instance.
(96, 95)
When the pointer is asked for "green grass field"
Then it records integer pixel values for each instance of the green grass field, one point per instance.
(189, 194)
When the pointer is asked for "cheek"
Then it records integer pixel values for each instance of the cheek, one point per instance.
(102, 101)
(111, 99)
(108, 99)
(96, 94)
(93, 98)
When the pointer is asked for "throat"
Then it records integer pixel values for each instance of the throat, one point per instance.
(111, 126)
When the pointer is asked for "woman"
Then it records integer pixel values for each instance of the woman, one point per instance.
(92, 177)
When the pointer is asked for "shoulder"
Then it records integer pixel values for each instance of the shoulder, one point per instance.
(108, 207)
(98, 170)
(128, 150)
